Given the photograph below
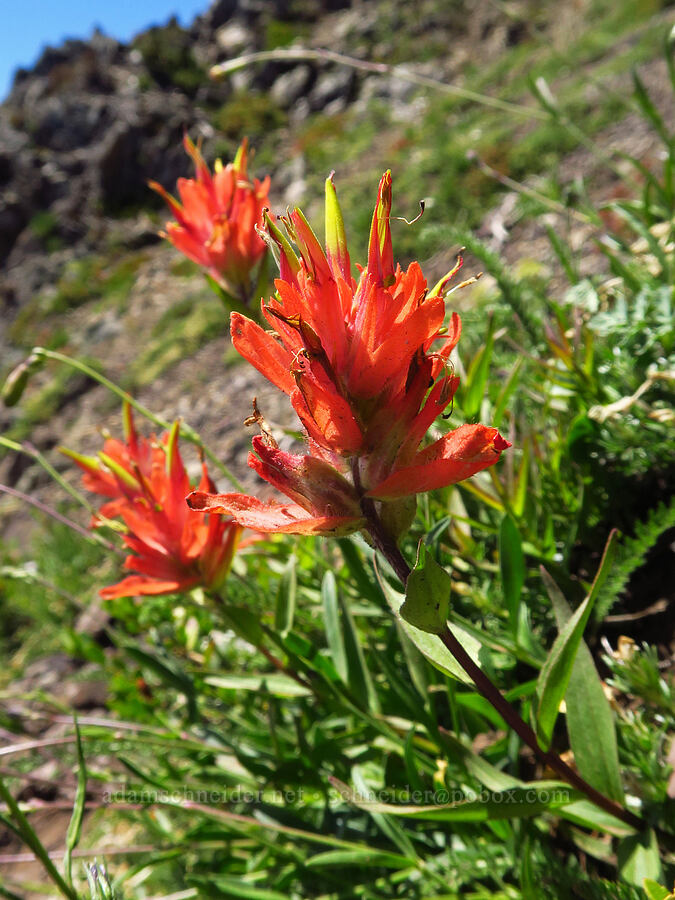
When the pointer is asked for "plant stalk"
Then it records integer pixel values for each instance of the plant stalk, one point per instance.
(390, 550)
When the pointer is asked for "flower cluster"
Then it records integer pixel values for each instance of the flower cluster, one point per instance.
(365, 365)
(216, 219)
(173, 547)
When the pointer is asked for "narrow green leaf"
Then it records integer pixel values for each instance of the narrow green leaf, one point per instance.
(360, 858)
(75, 824)
(655, 891)
(563, 252)
(276, 684)
(512, 566)
(234, 887)
(285, 608)
(647, 106)
(331, 620)
(22, 827)
(385, 823)
(9, 894)
(520, 488)
(244, 623)
(514, 803)
(489, 776)
(477, 376)
(427, 594)
(556, 671)
(638, 858)
(590, 723)
(414, 779)
(358, 676)
(505, 393)
(417, 666)
(168, 672)
(353, 550)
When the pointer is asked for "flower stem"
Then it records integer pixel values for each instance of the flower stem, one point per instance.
(389, 549)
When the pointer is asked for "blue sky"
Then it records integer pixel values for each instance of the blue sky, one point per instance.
(30, 25)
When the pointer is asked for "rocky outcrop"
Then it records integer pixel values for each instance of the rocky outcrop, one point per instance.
(83, 131)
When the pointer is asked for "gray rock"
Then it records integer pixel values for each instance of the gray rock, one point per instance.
(333, 85)
(292, 85)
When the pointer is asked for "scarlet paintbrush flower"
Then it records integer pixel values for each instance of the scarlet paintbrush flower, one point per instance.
(216, 219)
(173, 547)
(365, 364)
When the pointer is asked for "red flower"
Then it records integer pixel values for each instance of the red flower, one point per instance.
(216, 219)
(365, 364)
(173, 547)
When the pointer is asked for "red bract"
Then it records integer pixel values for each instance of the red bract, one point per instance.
(173, 547)
(217, 217)
(365, 364)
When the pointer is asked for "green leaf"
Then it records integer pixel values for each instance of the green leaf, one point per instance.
(244, 623)
(505, 393)
(427, 594)
(360, 858)
(20, 825)
(75, 824)
(417, 666)
(430, 645)
(358, 676)
(512, 566)
(410, 761)
(233, 887)
(588, 815)
(477, 376)
(647, 106)
(489, 776)
(277, 685)
(387, 825)
(514, 803)
(590, 723)
(285, 608)
(555, 673)
(331, 621)
(638, 858)
(168, 672)
(655, 891)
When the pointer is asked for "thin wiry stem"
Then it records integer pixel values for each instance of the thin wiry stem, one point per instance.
(300, 54)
